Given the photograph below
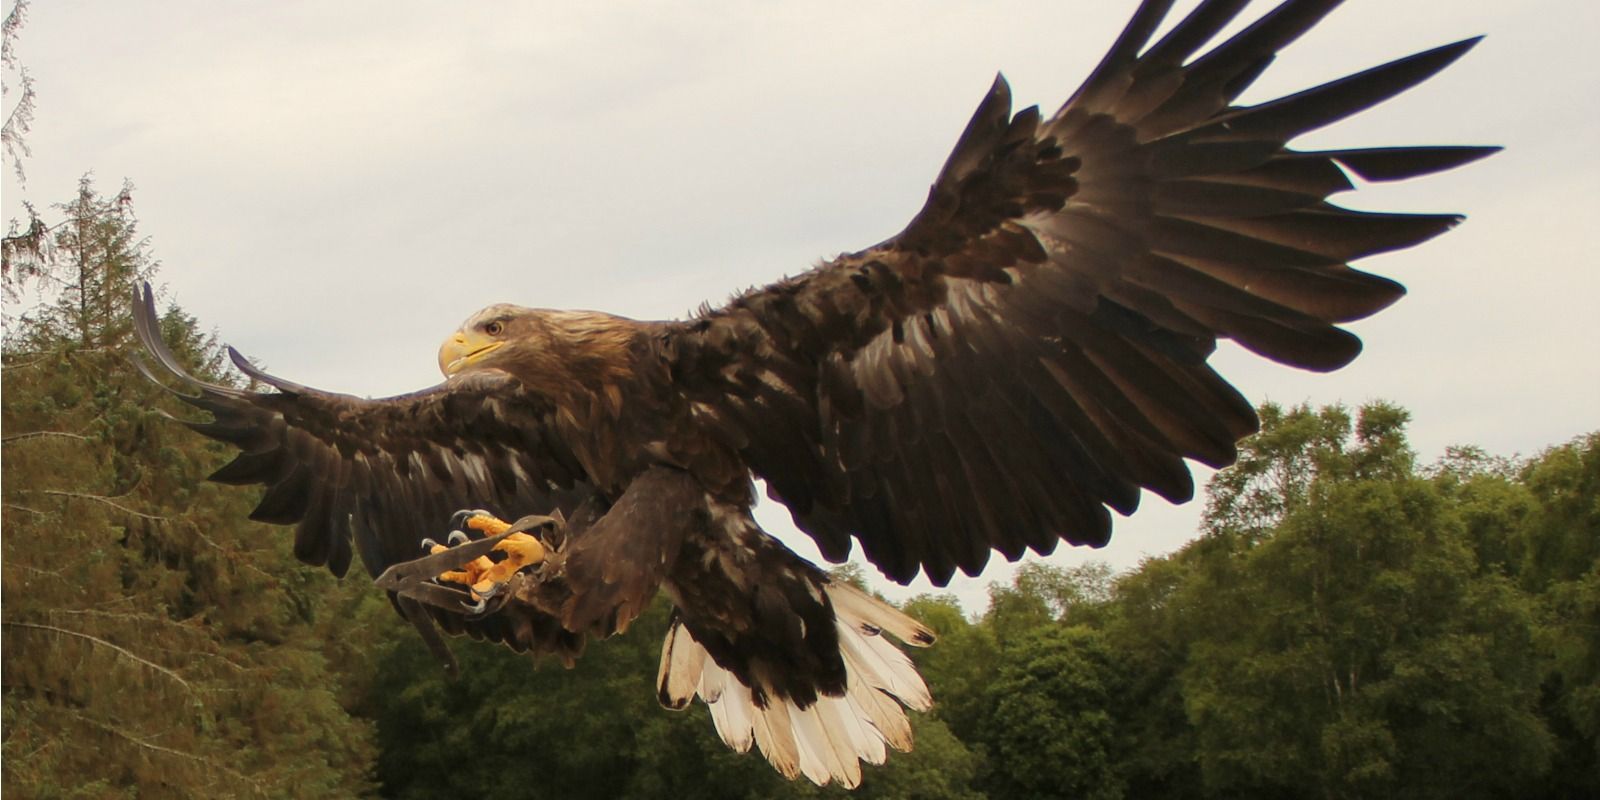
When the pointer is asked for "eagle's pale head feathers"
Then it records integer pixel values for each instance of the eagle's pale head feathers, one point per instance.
(483, 335)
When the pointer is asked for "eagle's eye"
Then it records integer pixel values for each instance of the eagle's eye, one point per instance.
(494, 328)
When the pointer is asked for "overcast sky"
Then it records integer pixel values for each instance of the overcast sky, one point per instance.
(334, 186)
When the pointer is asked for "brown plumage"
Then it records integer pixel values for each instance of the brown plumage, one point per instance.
(1026, 356)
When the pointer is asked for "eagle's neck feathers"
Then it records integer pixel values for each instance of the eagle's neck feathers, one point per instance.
(580, 360)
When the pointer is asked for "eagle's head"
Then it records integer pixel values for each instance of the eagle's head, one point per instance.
(483, 338)
(556, 353)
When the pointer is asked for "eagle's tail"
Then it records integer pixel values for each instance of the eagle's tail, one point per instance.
(828, 739)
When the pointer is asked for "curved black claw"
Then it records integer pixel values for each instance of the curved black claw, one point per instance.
(428, 544)
(493, 599)
(458, 537)
(481, 607)
(458, 520)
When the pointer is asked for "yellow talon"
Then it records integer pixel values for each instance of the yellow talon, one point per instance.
(488, 525)
(469, 574)
(522, 547)
(521, 550)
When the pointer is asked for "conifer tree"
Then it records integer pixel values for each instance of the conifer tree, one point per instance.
(154, 645)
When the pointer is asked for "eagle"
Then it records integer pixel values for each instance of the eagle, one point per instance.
(1027, 356)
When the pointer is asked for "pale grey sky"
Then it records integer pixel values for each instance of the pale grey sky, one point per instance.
(333, 186)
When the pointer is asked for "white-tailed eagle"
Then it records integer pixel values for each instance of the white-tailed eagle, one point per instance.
(1026, 357)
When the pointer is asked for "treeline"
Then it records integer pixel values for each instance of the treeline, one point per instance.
(1349, 623)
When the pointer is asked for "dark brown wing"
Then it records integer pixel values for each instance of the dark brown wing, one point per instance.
(1032, 348)
(382, 473)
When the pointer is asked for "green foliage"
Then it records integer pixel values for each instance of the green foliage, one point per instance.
(1274, 470)
(1560, 541)
(155, 646)
(512, 726)
(1043, 593)
(1050, 730)
(522, 727)
(1150, 625)
(1357, 645)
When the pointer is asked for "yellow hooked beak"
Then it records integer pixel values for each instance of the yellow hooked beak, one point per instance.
(462, 350)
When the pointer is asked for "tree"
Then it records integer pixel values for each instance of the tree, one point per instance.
(19, 114)
(958, 667)
(25, 248)
(1041, 593)
(1560, 540)
(154, 645)
(1150, 625)
(1050, 730)
(1376, 658)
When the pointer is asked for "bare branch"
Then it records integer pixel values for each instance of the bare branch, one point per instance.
(106, 500)
(196, 529)
(152, 746)
(122, 615)
(34, 511)
(97, 640)
(234, 665)
(22, 437)
(54, 573)
(26, 364)
(58, 354)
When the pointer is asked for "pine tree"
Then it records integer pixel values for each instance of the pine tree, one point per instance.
(154, 645)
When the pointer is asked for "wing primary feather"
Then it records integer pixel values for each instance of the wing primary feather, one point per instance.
(1400, 163)
(275, 382)
(285, 502)
(1200, 26)
(1313, 108)
(1122, 52)
(1236, 63)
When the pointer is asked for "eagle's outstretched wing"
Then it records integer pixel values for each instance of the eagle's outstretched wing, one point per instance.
(385, 473)
(1032, 348)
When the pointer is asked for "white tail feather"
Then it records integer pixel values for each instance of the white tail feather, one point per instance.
(681, 661)
(732, 716)
(820, 750)
(775, 736)
(862, 737)
(879, 709)
(853, 604)
(827, 740)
